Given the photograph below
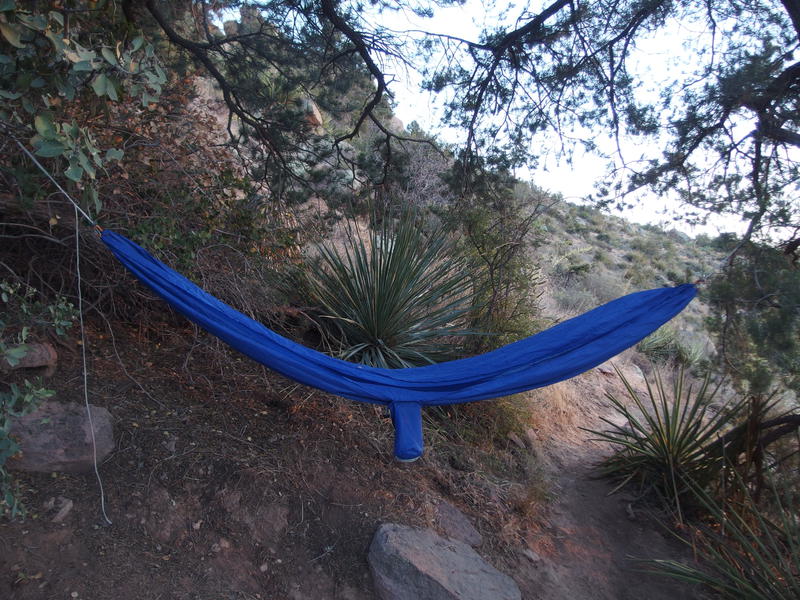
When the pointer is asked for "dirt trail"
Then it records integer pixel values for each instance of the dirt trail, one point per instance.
(586, 551)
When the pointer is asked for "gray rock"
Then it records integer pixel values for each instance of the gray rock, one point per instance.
(36, 355)
(455, 525)
(416, 564)
(57, 437)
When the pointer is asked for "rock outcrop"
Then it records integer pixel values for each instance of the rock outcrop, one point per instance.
(57, 437)
(417, 564)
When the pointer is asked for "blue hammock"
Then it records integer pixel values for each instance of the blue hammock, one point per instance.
(556, 354)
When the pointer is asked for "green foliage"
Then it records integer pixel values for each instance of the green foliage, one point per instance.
(746, 554)
(667, 438)
(665, 344)
(397, 300)
(497, 215)
(756, 314)
(23, 316)
(49, 60)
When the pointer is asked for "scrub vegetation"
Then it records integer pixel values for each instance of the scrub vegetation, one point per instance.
(253, 147)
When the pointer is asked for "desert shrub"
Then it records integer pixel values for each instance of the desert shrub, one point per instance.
(574, 300)
(604, 285)
(666, 344)
(397, 300)
(746, 553)
(496, 218)
(602, 257)
(667, 438)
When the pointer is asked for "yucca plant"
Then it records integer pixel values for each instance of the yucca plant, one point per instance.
(665, 344)
(667, 437)
(745, 555)
(396, 300)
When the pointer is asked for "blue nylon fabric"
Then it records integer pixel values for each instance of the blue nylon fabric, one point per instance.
(556, 354)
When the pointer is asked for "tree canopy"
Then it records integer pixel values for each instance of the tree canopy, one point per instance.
(727, 123)
(722, 128)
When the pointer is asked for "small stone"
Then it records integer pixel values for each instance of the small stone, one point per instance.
(532, 556)
(517, 441)
(66, 507)
(196, 525)
(36, 355)
(73, 595)
(215, 548)
(531, 437)
(223, 543)
(264, 568)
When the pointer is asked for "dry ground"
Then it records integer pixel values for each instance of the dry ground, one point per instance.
(230, 482)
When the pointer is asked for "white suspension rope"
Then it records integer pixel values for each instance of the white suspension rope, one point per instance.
(83, 357)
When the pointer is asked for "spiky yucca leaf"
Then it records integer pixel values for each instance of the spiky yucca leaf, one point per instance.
(746, 556)
(392, 301)
(666, 437)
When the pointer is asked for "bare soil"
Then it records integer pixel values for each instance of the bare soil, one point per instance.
(228, 481)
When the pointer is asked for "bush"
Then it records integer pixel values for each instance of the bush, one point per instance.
(668, 438)
(665, 344)
(396, 301)
(746, 554)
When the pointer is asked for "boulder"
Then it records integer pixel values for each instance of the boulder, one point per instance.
(35, 355)
(417, 564)
(456, 525)
(57, 437)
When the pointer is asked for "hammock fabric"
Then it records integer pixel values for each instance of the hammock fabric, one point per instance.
(556, 354)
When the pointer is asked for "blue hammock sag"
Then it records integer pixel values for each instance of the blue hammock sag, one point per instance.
(553, 355)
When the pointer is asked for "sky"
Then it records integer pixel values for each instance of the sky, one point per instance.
(577, 179)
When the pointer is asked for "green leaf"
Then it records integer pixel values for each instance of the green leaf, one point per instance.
(87, 166)
(45, 126)
(50, 149)
(137, 43)
(10, 95)
(100, 85)
(82, 66)
(7, 5)
(74, 173)
(37, 22)
(12, 33)
(148, 99)
(56, 40)
(57, 17)
(114, 154)
(15, 354)
(111, 89)
(90, 196)
(108, 54)
(72, 129)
